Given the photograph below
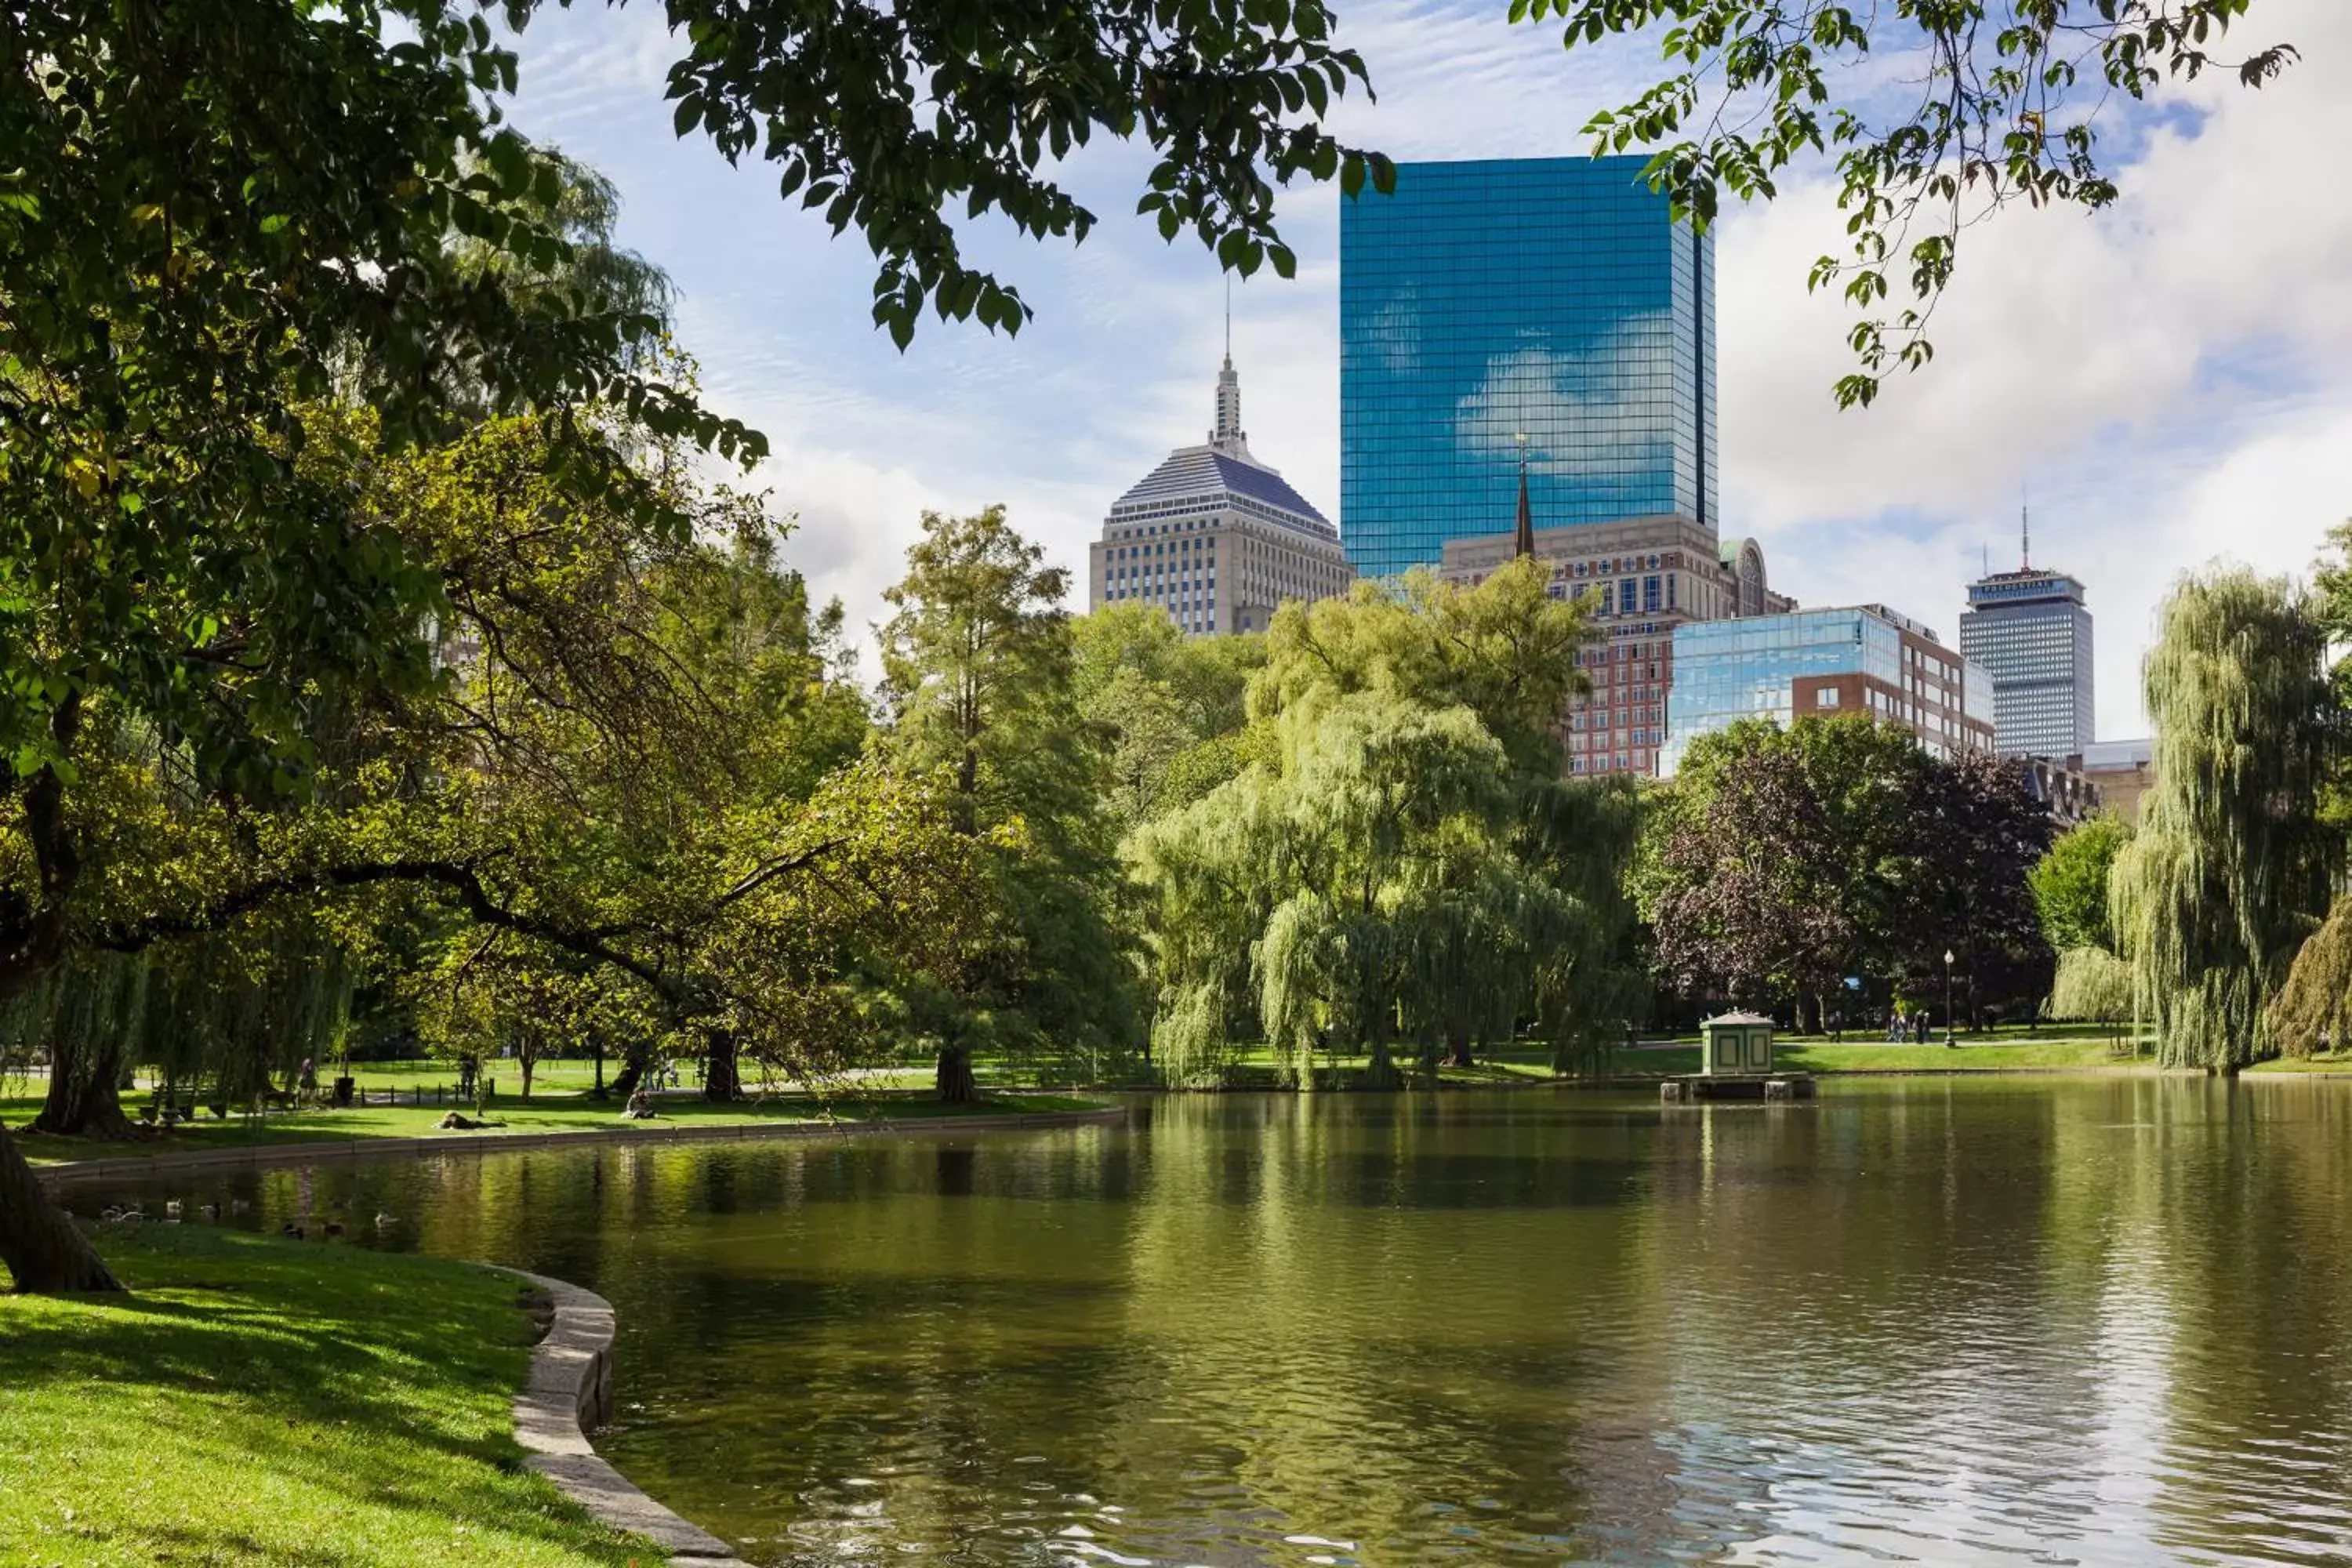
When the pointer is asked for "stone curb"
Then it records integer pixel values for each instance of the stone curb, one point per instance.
(329, 1151)
(570, 1389)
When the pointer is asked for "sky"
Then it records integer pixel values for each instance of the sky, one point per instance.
(2169, 382)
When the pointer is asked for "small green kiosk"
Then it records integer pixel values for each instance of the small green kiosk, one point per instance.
(1737, 1044)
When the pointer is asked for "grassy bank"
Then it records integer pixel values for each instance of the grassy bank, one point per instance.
(2003, 1052)
(254, 1402)
(2340, 1061)
(2011, 1054)
(546, 1113)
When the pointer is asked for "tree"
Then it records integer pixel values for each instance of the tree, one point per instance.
(220, 215)
(977, 667)
(1406, 868)
(2070, 884)
(891, 119)
(2092, 983)
(1979, 833)
(1785, 860)
(635, 762)
(1368, 895)
(2232, 865)
(216, 214)
(1752, 902)
(2313, 1009)
(1505, 650)
(1997, 105)
(1171, 708)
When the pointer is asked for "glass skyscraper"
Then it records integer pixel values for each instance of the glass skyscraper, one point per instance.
(2029, 629)
(1819, 664)
(1551, 298)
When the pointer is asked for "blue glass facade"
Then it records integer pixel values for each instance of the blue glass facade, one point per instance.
(1754, 668)
(1550, 297)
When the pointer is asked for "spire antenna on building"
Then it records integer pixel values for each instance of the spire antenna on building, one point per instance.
(2024, 534)
(1524, 545)
(1227, 436)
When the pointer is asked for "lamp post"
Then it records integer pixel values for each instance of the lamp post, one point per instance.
(1948, 998)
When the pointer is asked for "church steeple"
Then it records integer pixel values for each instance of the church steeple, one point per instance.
(1526, 542)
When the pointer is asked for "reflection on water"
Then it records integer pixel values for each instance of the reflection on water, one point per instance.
(2100, 1320)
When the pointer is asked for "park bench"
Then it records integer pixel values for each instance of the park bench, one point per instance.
(168, 1106)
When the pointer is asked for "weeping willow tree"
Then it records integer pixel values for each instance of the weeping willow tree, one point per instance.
(1212, 873)
(1406, 876)
(219, 1015)
(2313, 1009)
(86, 1017)
(2232, 865)
(2091, 985)
(1377, 895)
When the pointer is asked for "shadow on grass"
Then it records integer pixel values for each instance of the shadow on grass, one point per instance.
(253, 1401)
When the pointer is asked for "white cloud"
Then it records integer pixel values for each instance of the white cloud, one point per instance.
(2169, 378)
(2138, 369)
(1561, 400)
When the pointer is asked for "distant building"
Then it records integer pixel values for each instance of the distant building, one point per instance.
(2068, 794)
(2123, 771)
(1643, 577)
(2030, 630)
(1865, 658)
(1214, 537)
(1552, 298)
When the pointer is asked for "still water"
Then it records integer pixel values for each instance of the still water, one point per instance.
(2087, 1320)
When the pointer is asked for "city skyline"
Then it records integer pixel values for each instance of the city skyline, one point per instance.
(2160, 415)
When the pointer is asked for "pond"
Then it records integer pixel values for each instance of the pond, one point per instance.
(2083, 1321)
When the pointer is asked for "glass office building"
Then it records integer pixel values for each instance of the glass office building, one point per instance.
(1821, 663)
(2031, 630)
(1550, 297)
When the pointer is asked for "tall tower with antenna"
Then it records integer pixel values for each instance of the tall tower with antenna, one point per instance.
(2029, 632)
(1213, 537)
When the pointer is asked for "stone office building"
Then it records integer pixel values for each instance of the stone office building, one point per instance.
(1643, 577)
(1216, 537)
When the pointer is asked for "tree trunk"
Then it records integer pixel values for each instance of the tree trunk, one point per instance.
(598, 1091)
(82, 1102)
(38, 1241)
(956, 1085)
(1457, 1049)
(720, 1082)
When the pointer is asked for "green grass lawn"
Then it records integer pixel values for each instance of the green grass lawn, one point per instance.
(256, 1402)
(2340, 1061)
(552, 1114)
(1660, 1059)
(1877, 1055)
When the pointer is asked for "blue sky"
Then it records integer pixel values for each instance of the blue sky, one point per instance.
(2170, 381)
